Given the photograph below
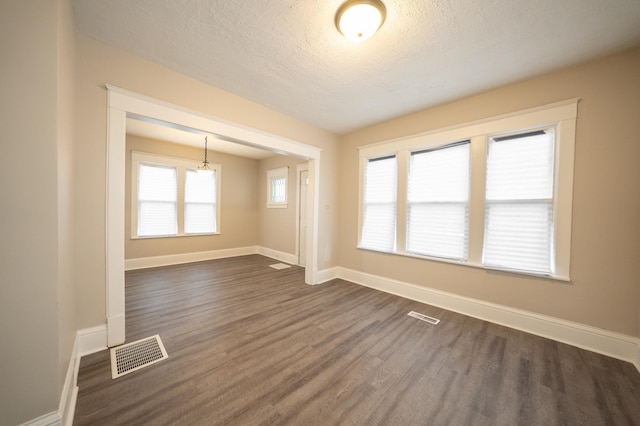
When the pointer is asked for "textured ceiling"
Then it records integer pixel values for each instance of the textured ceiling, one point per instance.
(288, 55)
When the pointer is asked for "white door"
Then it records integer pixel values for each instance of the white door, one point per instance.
(302, 219)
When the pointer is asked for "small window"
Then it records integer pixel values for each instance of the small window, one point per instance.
(380, 204)
(277, 188)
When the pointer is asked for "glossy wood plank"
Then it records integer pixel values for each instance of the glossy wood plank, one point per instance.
(250, 345)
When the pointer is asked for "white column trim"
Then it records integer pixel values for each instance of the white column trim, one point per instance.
(299, 168)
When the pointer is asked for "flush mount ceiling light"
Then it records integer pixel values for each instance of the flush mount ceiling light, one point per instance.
(204, 168)
(358, 20)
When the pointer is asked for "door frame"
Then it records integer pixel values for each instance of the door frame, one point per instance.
(299, 169)
(124, 103)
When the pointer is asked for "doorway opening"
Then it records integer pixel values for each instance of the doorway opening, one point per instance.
(123, 104)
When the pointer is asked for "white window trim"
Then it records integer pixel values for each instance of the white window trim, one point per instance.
(181, 166)
(274, 174)
(561, 116)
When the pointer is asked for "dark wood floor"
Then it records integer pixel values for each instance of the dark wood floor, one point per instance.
(250, 345)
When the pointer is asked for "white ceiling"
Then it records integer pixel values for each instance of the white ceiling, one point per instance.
(288, 55)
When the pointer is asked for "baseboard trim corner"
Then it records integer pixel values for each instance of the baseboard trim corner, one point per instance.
(278, 255)
(326, 275)
(92, 340)
(609, 343)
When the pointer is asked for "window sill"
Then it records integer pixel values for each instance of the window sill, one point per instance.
(153, 237)
(470, 264)
(277, 206)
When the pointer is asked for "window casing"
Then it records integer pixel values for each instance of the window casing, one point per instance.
(169, 191)
(557, 121)
(277, 188)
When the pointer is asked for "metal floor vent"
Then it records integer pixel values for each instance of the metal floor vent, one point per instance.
(424, 317)
(280, 266)
(136, 355)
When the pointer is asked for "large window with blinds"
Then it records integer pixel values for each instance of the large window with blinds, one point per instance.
(493, 194)
(519, 202)
(438, 201)
(200, 199)
(157, 200)
(380, 200)
(170, 198)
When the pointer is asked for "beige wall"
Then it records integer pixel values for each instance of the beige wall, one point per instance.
(277, 227)
(36, 254)
(238, 203)
(67, 324)
(99, 64)
(604, 290)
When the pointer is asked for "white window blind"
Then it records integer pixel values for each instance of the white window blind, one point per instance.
(438, 202)
(519, 223)
(200, 203)
(379, 203)
(157, 200)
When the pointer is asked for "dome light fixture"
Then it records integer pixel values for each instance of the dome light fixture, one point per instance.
(358, 20)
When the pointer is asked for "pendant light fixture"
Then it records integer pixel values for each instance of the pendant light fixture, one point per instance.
(204, 168)
(358, 20)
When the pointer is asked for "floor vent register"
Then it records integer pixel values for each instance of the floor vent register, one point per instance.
(133, 356)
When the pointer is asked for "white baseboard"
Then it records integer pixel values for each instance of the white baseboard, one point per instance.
(605, 342)
(278, 255)
(70, 389)
(92, 340)
(51, 419)
(176, 259)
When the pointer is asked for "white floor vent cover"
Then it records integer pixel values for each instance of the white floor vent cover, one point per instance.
(136, 355)
(424, 317)
(280, 266)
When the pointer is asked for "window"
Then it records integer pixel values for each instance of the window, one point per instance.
(157, 200)
(438, 201)
(519, 202)
(199, 203)
(277, 188)
(493, 194)
(380, 204)
(170, 198)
